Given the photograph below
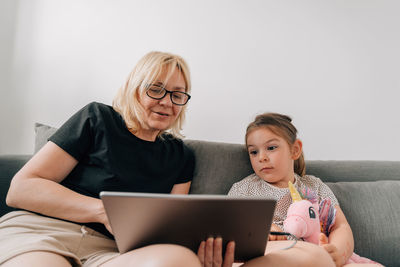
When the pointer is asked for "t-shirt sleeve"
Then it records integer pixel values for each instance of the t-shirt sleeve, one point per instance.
(188, 169)
(75, 135)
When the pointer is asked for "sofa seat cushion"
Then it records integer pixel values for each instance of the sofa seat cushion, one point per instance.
(373, 212)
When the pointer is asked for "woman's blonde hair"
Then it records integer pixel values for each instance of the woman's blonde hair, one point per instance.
(147, 70)
(282, 126)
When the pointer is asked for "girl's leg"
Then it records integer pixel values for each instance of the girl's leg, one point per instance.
(164, 255)
(37, 259)
(302, 254)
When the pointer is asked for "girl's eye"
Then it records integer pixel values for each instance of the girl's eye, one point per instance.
(271, 148)
(253, 152)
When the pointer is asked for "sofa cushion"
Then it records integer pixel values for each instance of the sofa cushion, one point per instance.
(353, 170)
(218, 166)
(373, 212)
(42, 134)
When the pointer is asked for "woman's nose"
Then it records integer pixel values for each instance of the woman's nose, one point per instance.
(166, 100)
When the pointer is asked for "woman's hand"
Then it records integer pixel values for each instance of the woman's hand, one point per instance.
(102, 217)
(210, 253)
(276, 228)
(331, 249)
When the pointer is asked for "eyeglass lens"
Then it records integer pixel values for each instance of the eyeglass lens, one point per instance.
(157, 92)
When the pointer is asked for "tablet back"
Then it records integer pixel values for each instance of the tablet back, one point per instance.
(140, 219)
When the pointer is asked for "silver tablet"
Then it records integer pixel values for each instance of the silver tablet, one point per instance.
(140, 219)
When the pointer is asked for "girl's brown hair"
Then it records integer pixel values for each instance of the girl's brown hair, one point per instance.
(280, 125)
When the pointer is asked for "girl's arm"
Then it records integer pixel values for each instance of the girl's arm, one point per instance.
(36, 188)
(341, 243)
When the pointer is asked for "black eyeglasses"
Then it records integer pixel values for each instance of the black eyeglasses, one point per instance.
(177, 97)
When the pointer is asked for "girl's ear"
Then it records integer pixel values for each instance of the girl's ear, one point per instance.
(297, 148)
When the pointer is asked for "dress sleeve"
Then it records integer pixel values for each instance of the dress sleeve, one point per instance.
(237, 189)
(325, 192)
(233, 191)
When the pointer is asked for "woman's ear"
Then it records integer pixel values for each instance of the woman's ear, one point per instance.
(297, 148)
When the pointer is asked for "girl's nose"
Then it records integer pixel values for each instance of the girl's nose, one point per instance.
(263, 156)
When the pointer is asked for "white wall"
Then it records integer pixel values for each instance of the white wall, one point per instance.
(332, 65)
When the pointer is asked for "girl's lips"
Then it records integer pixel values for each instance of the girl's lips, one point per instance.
(266, 169)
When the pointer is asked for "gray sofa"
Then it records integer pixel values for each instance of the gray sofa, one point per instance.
(368, 191)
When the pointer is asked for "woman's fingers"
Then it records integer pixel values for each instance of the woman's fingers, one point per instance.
(201, 252)
(229, 256)
(217, 252)
(209, 256)
(210, 253)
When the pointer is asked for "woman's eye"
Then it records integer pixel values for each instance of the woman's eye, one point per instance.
(156, 90)
(177, 96)
(271, 148)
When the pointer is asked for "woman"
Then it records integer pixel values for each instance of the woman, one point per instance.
(120, 148)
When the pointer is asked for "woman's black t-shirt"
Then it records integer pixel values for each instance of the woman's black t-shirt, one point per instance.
(111, 158)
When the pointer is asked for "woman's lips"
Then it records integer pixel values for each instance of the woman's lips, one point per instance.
(162, 114)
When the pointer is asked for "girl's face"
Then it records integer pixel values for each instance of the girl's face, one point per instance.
(161, 114)
(271, 156)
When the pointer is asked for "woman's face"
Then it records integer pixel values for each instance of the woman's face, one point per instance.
(161, 114)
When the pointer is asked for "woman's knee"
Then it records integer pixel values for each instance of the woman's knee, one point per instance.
(160, 255)
(38, 258)
(174, 255)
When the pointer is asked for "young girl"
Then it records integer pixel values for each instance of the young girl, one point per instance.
(276, 157)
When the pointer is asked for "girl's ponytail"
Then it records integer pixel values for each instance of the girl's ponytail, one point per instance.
(300, 165)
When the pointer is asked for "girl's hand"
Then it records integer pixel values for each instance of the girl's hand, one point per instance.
(331, 249)
(276, 228)
(210, 253)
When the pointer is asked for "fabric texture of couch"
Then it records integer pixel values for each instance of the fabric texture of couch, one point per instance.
(368, 191)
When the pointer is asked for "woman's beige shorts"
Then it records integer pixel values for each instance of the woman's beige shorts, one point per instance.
(22, 231)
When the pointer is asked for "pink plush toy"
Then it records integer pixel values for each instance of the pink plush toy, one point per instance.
(302, 219)
(306, 219)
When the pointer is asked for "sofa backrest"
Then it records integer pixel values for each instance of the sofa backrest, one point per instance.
(220, 165)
